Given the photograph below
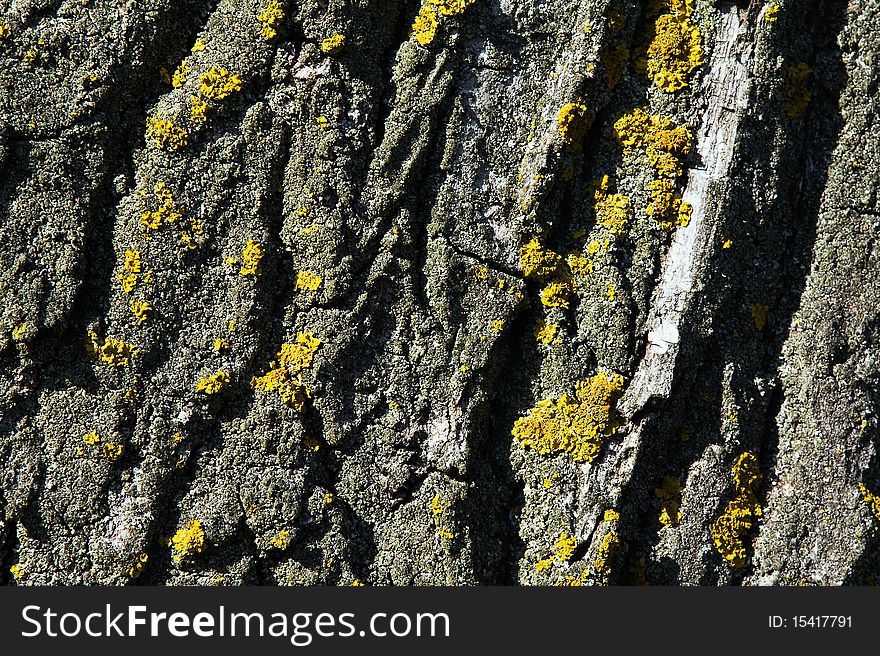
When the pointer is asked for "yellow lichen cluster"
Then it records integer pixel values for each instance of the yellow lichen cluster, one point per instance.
(675, 46)
(165, 134)
(281, 540)
(542, 263)
(607, 546)
(18, 572)
(140, 309)
(305, 281)
(797, 93)
(214, 383)
(451, 7)
(19, 331)
(669, 494)
(666, 146)
(738, 518)
(281, 377)
(5, 31)
(198, 111)
(179, 77)
(771, 14)
(112, 352)
(565, 547)
(112, 451)
(575, 425)
(574, 121)
(614, 60)
(871, 499)
(270, 19)
(537, 261)
(109, 450)
(613, 211)
(438, 507)
(333, 45)
(138, 566)
(424, 27)
(218, 84)
(251, 256)
(545, 332)
(190, 540)
(169, 213)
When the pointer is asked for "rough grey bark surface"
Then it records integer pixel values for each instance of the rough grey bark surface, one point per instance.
(408, 177)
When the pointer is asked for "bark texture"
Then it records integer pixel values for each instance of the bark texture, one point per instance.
(408, 177)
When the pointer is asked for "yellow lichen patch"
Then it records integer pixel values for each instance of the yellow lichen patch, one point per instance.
(738, 518)
(132, 261)
(614, 60)
(611, 292)
(675, 49)
(611, 515)
(140, 309)
(669, 494)
(305, 281)
(291, 359)
(663, 142)
(17, 571)
(281, 540)
(498, 325)
(221, 345)
(759, 315)
(179, 77)
(797, 93)
(168, 212)
(128, 282)
(424, 27)
(29, 57)
(198, 46)
(565, 546)
(213, 384)
(19, 331)
(298, 356)
(666, 207)
(557, 294)
(574, 121)
(112, 451)
(871, 499)
(198, 110)
(138, 566)
(112, 352)
(771, 14)
(452, 7)
(607, 546)
(270, 19)
(5, 31)
(165, 134)
(614, 211)
(251, 256)
(91, 438)
(219, 83)
(538, 262)
(333, 45)
(190, 540)
(438, 507)
(665, 145)
(580, 266)
(575, 425)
